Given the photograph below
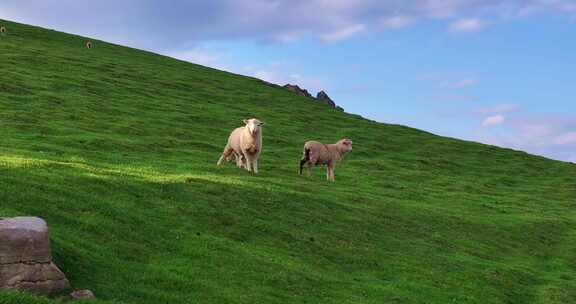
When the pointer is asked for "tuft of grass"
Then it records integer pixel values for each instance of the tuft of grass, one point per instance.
(116, 149)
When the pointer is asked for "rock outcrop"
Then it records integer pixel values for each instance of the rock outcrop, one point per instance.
(321, 96)
(25, 257)
(296, 89)
(324, 98)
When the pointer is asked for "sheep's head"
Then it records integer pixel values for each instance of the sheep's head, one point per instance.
(253, 125)
(345, 145)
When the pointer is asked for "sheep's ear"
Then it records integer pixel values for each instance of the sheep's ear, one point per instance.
(245, 121)
(262, 123)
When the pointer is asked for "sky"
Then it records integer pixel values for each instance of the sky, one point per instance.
(493, 71)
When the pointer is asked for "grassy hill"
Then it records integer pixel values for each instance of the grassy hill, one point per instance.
(116, 148)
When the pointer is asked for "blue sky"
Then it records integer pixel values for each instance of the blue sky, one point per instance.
(498, 72)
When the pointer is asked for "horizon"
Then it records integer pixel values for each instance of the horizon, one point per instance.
(495, 72)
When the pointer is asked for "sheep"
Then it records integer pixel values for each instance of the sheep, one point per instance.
(89, 44)
(246, 145)
(2, 29)
(317, 153)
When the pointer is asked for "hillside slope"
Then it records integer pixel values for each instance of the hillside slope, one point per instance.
(116, 149)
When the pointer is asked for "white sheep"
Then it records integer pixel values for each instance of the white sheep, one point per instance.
(2, 29)
(89, 45)
(246, 145)
(317, 153)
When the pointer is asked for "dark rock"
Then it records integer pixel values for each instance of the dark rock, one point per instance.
(25, 257)
(82, 294)
(323, 97)
(339, 108)
(296, 89)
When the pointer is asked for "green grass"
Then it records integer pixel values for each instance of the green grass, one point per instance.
(116, 148)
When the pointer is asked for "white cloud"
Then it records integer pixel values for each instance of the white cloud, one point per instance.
(396, 22)
(198, 55)
(568, 6)
(344, 33)
(550, 135)
(338, 5)
(536, 132)
(467, 25)
(494, 120)
(282, 74)
(154, 25)
(287, 37)
(498, 109)
(453, 98)
(278, 72)
(463, 83)
(566, 139)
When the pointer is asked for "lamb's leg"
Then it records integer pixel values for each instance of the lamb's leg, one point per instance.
(305, 158)
(331, 170)
(302, 162)
(238, 159)
(225, 154)
(243, 161)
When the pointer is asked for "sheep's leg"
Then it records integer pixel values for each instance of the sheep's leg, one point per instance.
(225, 154)
(309, 169)
(249, 163)
(255, 165)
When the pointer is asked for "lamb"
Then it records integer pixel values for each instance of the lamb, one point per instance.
(246, 145)
(89, 45)
(2, 29)
(317, 153)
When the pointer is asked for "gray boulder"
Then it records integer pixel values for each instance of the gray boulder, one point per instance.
(25, 257)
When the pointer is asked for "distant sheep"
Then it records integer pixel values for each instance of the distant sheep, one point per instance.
(317, 153)
(2, 29)
(89, 45)
(245, 143)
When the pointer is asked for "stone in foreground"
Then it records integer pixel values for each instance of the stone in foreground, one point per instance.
(25, 257)
(82, 294)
